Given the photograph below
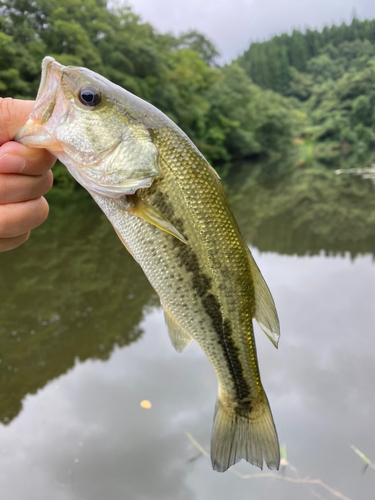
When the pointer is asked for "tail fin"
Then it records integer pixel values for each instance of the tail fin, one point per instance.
(239, 435)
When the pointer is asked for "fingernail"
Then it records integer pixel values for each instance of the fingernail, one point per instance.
(12, 164)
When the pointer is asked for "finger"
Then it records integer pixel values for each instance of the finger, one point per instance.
(19, 218)
(16, 158)
(13, 114)
(16, 188)
(11, 243)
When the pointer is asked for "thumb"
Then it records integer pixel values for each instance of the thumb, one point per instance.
(13, 114)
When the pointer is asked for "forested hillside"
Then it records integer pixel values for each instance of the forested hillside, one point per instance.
(330, 75)
(296, 100)
(224, 113)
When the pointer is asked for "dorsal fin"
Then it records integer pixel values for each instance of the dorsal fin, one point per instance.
(178, 335)
(265, 310)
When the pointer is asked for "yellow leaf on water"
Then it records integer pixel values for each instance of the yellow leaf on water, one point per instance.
(146, 404)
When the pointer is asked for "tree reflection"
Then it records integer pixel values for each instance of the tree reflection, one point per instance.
(306, 212)
(72, 292)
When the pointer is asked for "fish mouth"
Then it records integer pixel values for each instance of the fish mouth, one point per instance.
(34, 133)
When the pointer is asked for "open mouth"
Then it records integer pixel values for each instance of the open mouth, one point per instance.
(34, 133)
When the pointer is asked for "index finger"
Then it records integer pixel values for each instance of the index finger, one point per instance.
(16, 158)
(13, 114)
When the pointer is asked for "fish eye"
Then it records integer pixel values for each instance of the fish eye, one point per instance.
(89, 96)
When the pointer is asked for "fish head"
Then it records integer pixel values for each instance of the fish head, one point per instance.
(95, 128)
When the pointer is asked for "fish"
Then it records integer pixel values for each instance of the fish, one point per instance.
(167, 206)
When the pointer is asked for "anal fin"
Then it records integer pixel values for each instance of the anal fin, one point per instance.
(178, 335)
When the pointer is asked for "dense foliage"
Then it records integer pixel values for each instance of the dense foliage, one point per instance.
(298, 99)
(331, 77)
(223, 112)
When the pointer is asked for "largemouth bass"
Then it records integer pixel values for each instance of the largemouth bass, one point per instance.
(168, 207)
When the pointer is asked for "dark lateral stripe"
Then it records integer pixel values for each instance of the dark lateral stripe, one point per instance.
(202, 285)
(224, 331)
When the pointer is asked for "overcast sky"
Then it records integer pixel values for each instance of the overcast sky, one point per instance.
(232, 24)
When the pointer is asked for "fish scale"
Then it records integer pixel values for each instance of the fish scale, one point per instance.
(221, 254)
(168, 207)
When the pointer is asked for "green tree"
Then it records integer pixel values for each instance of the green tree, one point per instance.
(200, 44)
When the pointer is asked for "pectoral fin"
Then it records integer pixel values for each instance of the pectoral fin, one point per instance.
(265, 310)
(150, 214)
(178, 335)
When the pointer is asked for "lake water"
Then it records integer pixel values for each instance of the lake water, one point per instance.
(83, 343)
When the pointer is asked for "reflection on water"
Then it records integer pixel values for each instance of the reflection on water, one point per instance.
(365, 173)
(308, 212)
(72, 297)
(63, 297)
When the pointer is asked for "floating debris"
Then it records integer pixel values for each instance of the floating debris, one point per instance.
(365, 173)
(145, 404)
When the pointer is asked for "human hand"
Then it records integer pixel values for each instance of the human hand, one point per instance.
(25, 176)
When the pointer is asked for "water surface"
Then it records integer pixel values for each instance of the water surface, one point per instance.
(83, 342)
